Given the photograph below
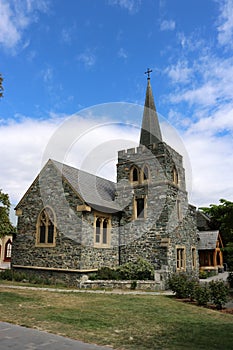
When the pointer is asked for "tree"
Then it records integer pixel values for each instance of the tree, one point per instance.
(221, 217)
(5, 225)
(1, 87)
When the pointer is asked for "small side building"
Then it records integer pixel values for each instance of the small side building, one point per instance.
(209, 249)
(5, 251)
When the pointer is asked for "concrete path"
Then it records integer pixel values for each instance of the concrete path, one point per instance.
(97, 291)
(20, 338)
(221, 276)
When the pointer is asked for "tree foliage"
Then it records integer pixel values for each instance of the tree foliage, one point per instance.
(5, 225)
(221, 216)
(1, 86)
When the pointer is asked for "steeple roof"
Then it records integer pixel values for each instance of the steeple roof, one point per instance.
(150, 130)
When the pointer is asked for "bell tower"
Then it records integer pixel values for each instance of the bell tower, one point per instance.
(156, 217)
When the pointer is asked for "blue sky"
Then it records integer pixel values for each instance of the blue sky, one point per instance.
(58, 57)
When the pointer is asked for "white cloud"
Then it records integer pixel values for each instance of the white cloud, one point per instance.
(203, 95)
(67, 34)
(167, 25)
(92, 143)
(27, 144)
(225, 28)
(22, 144)
(179, 72)
(122, 53)
(87, 58)
(47, 74)
(131, 5)
(15, 18)
(210, 82)
(212, 166)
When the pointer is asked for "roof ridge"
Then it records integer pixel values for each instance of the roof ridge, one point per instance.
(82, 171)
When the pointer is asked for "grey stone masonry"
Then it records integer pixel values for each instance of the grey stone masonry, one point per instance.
(73, 249)
(168, 222)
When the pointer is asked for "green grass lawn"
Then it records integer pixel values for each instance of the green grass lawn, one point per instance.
(122, 321)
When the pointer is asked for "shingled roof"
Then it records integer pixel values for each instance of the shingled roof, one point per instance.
(94, 190)
(208, 240)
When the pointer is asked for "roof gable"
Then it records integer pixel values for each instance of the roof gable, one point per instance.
(97, 192)
(208, 240)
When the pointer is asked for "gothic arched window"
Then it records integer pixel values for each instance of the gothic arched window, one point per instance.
(134, 174)
(46, 228)
(145, 175)
(8, 248)
(102, 228)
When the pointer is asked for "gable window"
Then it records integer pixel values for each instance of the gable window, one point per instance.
(8, 248)
(46, 228)
(180, 259)
(134, 174)
(175, 177)
(140, 207)
(102, 228)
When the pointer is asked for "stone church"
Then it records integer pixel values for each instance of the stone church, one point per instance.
(71, 222)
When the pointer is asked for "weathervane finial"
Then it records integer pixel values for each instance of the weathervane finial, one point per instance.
(148, 73)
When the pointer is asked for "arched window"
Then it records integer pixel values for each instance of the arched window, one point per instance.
(97, 230)
(134, 174)
(46, 228)
(145, 175)
(105, 231)
(8, 248)
(102, 231)
(175, 177)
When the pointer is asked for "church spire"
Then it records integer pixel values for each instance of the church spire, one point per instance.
(150, 130)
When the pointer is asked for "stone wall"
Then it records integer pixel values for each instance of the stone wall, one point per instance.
(169, 220)
(122, 285)
(74, 241)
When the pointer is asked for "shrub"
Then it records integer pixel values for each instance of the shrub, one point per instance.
(218, 293)
(183, 285)
(133, 285)
(202, 294)
(202, 275)
(105, 273)
(19, 276)
(139, 270)
(230, 279)
(6, 275)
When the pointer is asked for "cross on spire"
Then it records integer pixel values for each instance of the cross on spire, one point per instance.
(148, 73)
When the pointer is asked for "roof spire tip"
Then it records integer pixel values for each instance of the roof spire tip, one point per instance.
(148, 73)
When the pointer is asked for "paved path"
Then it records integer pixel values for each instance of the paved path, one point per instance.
(97, 291)
(221, 276)
(20, 338)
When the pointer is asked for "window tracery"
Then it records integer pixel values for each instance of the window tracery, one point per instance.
(46, 228)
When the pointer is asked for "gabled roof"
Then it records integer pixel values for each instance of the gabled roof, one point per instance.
(203, 221)
(208, 240)
(94, 190)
